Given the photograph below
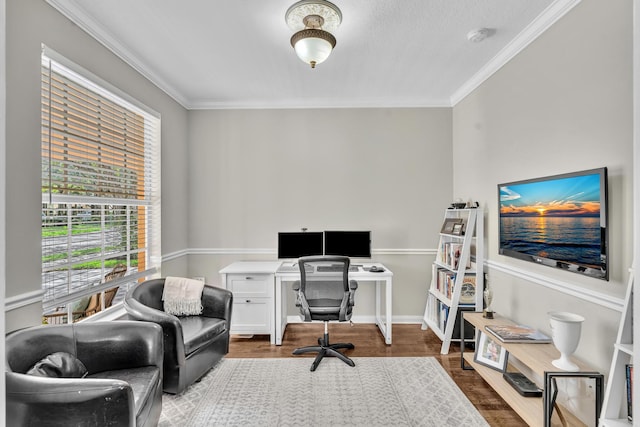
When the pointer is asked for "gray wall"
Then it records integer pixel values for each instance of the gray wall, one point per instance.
(29, 24)
(253, 173)
(233, 178)
(563, 104)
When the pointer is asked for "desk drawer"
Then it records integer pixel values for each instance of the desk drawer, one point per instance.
(256, 285)
(251, 315)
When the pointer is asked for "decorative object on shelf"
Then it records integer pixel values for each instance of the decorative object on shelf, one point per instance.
(458, 229)
(313, 20)
(488, 297)
(490, 353)
(565, 330)
(447, 226)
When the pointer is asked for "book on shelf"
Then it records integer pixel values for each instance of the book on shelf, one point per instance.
(629, 385)
(450, 253)
(468, 291)
(517, 333)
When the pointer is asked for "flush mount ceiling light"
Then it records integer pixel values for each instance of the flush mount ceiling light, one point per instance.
(313, 20)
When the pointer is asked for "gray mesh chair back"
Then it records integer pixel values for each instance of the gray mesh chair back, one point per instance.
(325, 293)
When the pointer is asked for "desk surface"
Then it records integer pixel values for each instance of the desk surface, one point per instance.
(292, 269)
(288, 268)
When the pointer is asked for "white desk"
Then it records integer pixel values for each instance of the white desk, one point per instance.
(259, 284)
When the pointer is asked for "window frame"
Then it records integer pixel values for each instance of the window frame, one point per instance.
(144, 184)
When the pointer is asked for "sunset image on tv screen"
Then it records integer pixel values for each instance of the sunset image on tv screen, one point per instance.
(558, 219)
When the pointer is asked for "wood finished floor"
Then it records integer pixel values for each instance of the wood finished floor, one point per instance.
(408, 341)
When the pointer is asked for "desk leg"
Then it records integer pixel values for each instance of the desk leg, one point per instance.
(388, 314)
(276, 338)
(551, 391)
(462, 364)
(384, 324)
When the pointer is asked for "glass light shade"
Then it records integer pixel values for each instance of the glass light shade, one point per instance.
(313, 46)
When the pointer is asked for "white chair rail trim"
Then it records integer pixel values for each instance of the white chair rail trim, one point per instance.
(271, 251)
(577, 291)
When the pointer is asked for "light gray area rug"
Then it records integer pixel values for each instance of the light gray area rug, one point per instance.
(378, 391)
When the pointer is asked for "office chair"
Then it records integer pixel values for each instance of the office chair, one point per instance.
(325, 293)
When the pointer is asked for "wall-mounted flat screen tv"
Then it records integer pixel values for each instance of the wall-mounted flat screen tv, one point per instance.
(354, 244)
(293, 245)
(558, 221)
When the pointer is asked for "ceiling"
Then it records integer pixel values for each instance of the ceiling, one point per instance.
(236, 53)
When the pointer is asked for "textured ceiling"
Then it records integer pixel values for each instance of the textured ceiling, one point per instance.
(236, 53)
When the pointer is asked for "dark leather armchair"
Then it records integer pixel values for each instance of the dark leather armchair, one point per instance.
(192, 344)
(122, 387)
(325, 293)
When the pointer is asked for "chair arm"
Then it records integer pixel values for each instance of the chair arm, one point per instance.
(171, 327)
(33, 400)
(217, 302)
(353, 285)
(301, 301)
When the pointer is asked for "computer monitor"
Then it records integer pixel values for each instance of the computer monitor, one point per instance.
(293, 245)
(354, 244)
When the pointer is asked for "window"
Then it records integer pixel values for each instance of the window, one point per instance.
(100, 191)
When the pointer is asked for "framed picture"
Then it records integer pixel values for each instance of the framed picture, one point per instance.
(458, 229)
(447, 227)
(490, 353)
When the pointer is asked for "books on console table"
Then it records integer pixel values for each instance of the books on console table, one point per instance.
(517, 333)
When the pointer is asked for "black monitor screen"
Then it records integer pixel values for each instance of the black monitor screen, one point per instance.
(299, 244)
(356, 244)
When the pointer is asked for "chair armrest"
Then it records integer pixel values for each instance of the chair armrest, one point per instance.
(35, 400)
(171, 327)
(217, 302)
(353, 285)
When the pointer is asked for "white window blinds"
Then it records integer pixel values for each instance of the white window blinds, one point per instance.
(100, 182)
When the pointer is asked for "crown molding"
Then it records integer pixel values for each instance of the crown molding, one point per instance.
(538, 26)
(96, 30)
(319, 104)
(549, 16)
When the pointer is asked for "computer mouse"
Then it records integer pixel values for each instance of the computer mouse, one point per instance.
(375, 269)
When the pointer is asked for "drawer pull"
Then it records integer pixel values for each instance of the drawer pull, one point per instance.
(247, 301)
(248, 278)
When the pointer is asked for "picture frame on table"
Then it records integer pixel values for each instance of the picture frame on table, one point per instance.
(490, 353)
(447, 226)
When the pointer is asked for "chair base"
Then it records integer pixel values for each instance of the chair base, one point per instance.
(325, 349)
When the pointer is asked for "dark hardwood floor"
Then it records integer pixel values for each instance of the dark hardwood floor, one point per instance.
(408, 341)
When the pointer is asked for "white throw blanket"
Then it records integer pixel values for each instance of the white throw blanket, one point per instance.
(182, 296)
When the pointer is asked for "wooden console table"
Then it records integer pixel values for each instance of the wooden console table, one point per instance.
(536, 357)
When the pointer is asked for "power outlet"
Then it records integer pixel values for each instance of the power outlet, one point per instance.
(200, 278)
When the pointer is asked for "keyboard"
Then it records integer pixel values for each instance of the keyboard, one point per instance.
(334, 268)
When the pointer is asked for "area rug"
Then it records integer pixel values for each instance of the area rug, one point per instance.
(378, 391)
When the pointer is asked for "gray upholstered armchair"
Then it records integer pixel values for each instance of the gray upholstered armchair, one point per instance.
(192, 344)
(110, 373)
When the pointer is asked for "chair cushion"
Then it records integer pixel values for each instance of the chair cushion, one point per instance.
(59, 365)
(143, 381)
(200, 330)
